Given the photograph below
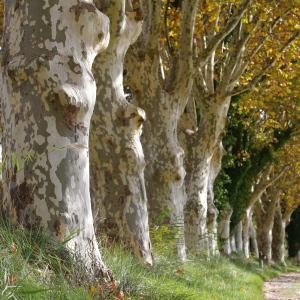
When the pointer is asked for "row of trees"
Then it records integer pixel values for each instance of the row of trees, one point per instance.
(191, 75)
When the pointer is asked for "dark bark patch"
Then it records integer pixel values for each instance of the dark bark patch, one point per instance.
(17, 118)
(57, 227)
(71, 112)
(127, 190)
(121, 200)
(17, 5)
(138, 15)
(100, 36)
(108, 176)
(80, 7)
(84, 54)
(178, 177)
(21, 196)
(141, 56)
(75, 67)
(111, 143)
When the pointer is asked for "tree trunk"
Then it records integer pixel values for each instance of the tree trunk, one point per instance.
(253, 240)
(233, 243)
(258, 189)
(203, 169)
(164, 156)
(48, 98)
(224, 231)
(165, 172)
(238, 233)
(164, 99)
(212, 211)
(264, 216)
(246, 226)
(118, 185)
(195, 217)
(279, 235)
(212, 226)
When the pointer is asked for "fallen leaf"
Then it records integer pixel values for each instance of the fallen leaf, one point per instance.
(180, 271)
(13, 248)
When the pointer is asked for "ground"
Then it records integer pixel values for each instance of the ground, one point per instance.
(34, 267)
(285, 287)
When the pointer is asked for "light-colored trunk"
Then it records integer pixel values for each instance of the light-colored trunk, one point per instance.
(204, 161)
(264, 216)
(224, 231)
(253, 239)
(212, 211)
(264, 181)
(212, 227)
(164, 99)
(233, 243)
(257, 191)
(48, 97)
(195, 217)
(165, 171)
(279, 235)
(238, 233)
(246, 226)
(278, 242)
(117, 159)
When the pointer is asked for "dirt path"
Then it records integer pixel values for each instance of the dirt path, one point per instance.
(285, 287)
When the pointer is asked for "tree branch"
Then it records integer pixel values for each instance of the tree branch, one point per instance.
(271, 63)
(169, 46)
(219, 37)
(266, 37)
(183, 68)
(152, 24)
(261, 187)
(239, 53)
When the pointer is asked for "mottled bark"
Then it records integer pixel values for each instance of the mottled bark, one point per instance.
(213, 101)
(238, 233)
(164, 173)
(118, 186)
(204, 161)
(48, 97)
(224, 231)
(264, 216)
(164, 100)
(212, 211)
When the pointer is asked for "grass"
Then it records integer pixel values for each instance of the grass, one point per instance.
(31, 267)
(219, 278)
